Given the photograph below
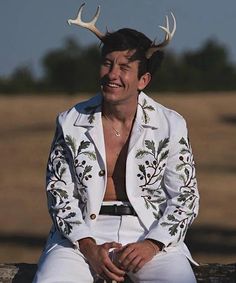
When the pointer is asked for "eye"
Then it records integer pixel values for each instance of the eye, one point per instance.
(106, 63)
(125, 67)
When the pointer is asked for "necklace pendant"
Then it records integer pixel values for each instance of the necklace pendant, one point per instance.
(117, 134)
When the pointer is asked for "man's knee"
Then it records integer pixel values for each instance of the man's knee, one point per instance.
(166, 267)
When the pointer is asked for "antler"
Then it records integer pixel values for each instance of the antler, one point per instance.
(169, 35)
(89, 25)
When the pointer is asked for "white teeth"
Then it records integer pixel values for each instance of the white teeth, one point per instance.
(113, 85)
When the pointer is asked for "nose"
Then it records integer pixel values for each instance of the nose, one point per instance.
(113, 72)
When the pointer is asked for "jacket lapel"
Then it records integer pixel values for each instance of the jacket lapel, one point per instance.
(146, 117)
(90, 119)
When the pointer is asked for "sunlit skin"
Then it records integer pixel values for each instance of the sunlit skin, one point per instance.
(120, 87)
(119, 79)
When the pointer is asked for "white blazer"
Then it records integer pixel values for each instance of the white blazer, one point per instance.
(160, 174)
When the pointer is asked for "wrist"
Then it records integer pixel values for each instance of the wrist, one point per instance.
(156, 245)
(85, 244)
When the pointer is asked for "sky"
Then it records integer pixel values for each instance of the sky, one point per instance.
(30, 28)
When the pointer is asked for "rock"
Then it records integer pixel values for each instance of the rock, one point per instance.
(215, 273)
(206, 273)
(17, 273)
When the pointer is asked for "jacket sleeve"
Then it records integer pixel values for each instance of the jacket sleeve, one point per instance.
(180, 185)
(63, 201)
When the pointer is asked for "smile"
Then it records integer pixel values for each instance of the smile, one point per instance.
(113, 85)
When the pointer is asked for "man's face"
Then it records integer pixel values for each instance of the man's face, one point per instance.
(119, 77)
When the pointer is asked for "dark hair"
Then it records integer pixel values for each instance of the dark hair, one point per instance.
(130, 39)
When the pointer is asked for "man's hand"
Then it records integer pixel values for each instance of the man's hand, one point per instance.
(98, 258)
(133, 257)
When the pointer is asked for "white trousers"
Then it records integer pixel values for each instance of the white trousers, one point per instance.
(61, 263)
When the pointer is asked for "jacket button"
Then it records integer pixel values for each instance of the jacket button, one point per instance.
(92, 216)
(101, 173)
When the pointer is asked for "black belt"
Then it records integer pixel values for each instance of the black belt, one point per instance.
(117, 210)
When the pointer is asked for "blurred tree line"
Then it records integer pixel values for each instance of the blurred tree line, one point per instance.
(73, 68)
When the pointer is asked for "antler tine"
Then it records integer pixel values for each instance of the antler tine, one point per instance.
(168, 36)
(89, 25)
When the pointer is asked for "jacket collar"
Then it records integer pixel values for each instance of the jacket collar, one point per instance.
(90, 112)
(90, 115)
(147, 112)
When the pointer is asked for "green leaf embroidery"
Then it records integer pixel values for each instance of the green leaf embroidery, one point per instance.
(159, 200)
(152, 205)
(83, 145)
(58, 165)
(71, 143)
(91, 110)
(157, 216)
(62, 193)
(150, 145)
(91, 155)
(163, 144)
(184, 151)
(164, 155)
(165, 224)
(67, 228)
(87, 169)
(146, 203)
(172, 218)
(146, 107)
(183, 142)
(150, 108)
(142, 169)
(173, 229)
(70, 215)
(179, 167)
(141, 153)
(186, 171)
(62, 171)
(182, 198)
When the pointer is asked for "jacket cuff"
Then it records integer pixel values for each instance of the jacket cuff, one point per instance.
(81, 231)
(160, 237)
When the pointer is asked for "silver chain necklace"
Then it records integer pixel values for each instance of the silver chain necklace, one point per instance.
(117, 133)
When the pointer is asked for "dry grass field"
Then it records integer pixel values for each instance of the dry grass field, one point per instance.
(27, 126)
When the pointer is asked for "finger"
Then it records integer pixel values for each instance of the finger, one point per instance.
(129, 262)
(107, 274)
(133, 263)
(110, 266)
(139, 265)
(123, 254)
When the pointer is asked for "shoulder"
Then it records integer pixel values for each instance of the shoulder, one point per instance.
(81, 108)
(163, 113)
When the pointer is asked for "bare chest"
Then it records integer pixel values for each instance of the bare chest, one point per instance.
(116, 146)
(116, 153)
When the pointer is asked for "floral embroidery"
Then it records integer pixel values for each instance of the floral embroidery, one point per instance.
(146, 108)
(56, 171)
(91, 110)
(86, 169)
(59, 162)
(65, 223)
(59, 208)
(181, 219)
(81, 151)
(187, 196)
(152, 171)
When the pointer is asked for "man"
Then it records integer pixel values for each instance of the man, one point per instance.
(121, 180)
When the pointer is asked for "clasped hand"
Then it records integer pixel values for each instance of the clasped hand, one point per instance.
(114, 265)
